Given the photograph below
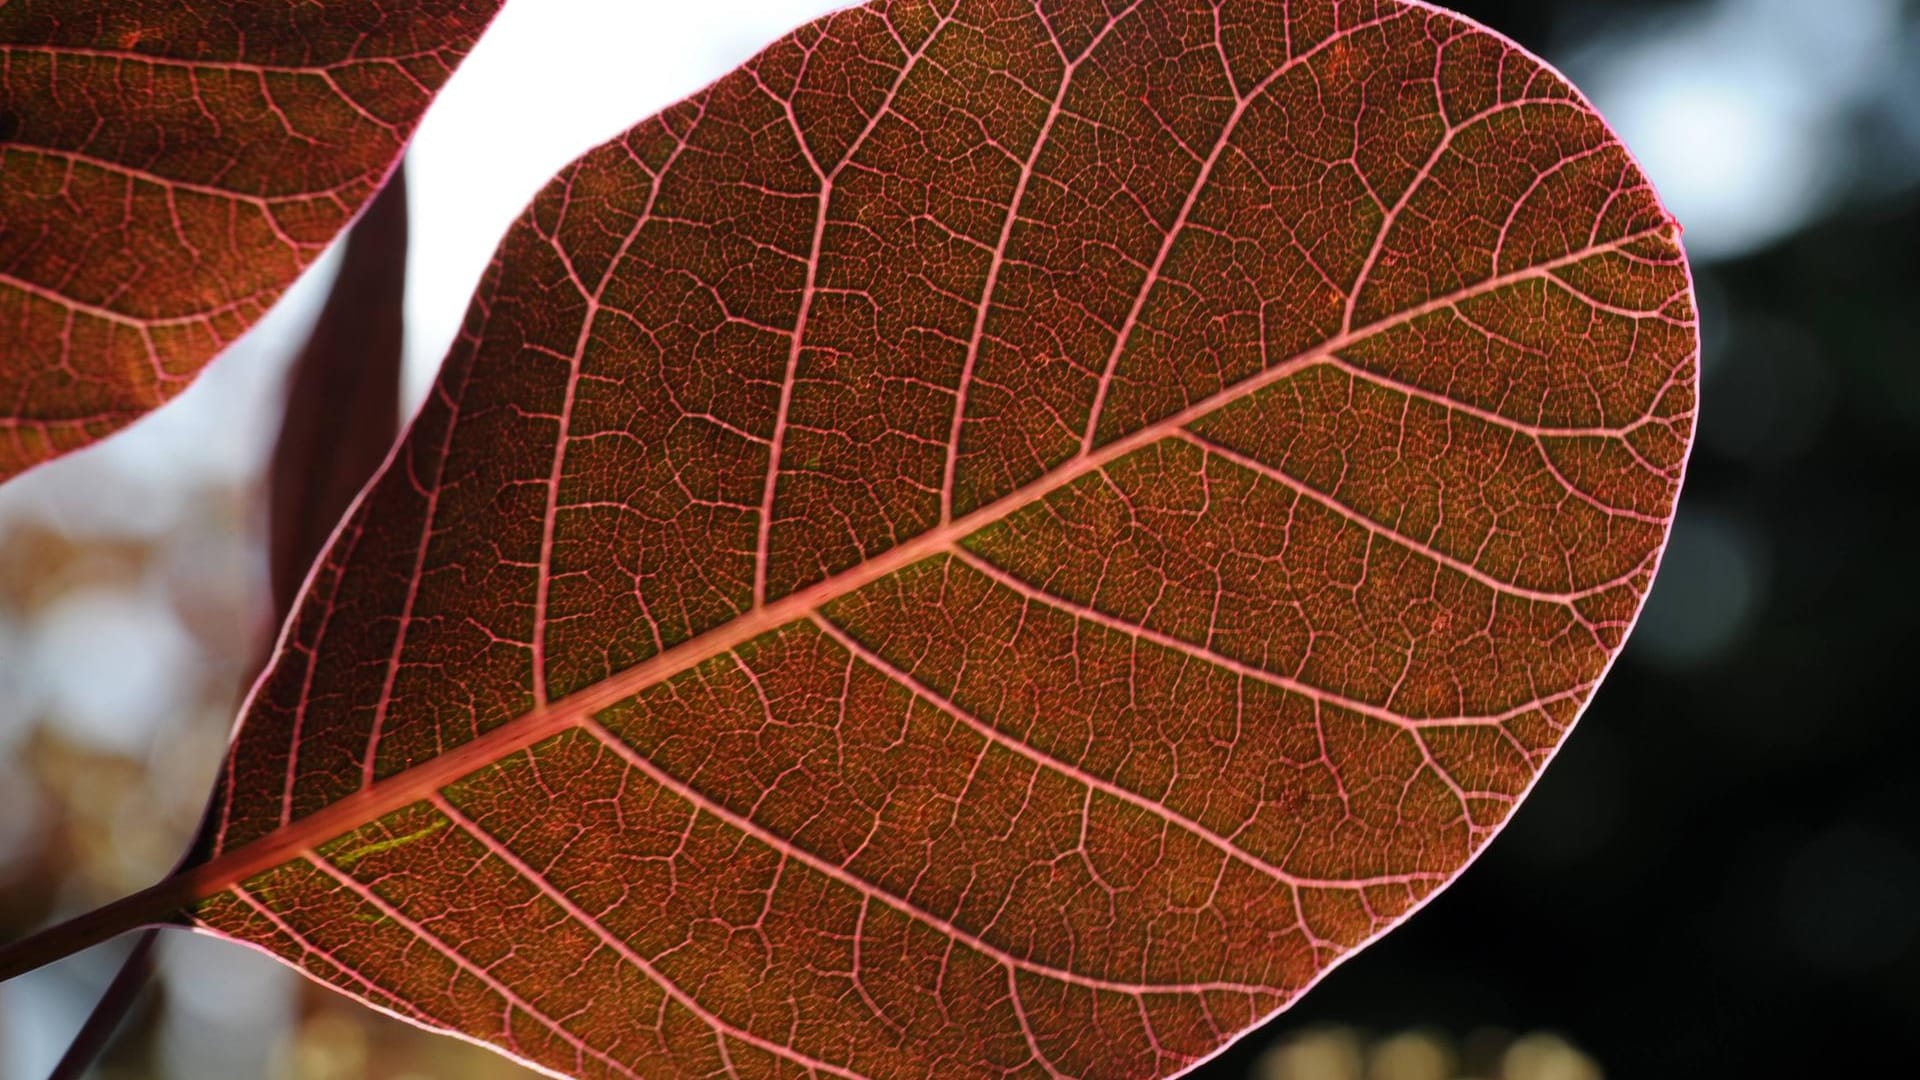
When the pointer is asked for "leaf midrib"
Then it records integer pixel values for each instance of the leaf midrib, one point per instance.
(420, 781)
(167, 900)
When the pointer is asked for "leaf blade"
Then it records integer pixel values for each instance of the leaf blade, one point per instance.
(920, 781)
(171, 169)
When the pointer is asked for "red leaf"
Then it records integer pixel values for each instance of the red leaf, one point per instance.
(1219, 450)
(343, 396)
(170, 169)
(341, 416)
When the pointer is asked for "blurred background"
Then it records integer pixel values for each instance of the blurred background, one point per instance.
(1720, 875)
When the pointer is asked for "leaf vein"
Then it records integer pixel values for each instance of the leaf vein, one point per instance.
(866, 888)
(721, 1027)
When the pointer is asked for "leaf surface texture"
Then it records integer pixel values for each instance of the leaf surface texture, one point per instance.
(169, 169)
(998, 538)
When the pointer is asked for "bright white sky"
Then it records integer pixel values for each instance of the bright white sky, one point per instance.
(1739, 109)
(550, 80)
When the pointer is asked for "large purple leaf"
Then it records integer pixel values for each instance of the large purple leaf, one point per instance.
(997, 538)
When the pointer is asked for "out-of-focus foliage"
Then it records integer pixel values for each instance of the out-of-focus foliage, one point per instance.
(1421, 1054)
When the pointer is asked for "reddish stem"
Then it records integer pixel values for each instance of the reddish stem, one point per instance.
(152, 906)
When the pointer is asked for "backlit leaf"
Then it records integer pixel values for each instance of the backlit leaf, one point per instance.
(169, 169)
(343, 396)
(997, 538)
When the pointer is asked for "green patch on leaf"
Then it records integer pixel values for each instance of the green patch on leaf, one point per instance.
(345, 860)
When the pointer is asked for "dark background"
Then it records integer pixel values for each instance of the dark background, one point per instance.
(1717, 876)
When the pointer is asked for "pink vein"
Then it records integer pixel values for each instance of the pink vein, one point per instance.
(1461, 566)
(1186, 210)
(625, 951)
(865, 888)
(413, 593)
(543, 584)
(1486, 416)
(1081, 776)
(1425, 172)
(412, 784)
(506, 992)
(999, 259)
(264, 203)
(125, 56)
(400, 1006)
(48, 294)
(763, 556)
(349, 546)
(1026, 1025)
(1207, 653)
